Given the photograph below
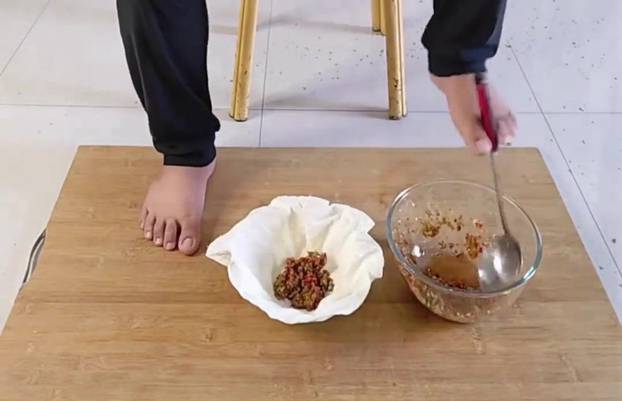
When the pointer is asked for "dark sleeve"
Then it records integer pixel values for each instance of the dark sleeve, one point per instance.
(462, 35)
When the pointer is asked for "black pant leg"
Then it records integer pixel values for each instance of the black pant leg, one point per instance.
(166, 49)
(462, 35)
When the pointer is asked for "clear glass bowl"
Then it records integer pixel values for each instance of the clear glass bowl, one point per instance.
(460, 209)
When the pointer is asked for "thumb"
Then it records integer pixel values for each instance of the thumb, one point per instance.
(473, 134)
(465, 112)
(478, 141)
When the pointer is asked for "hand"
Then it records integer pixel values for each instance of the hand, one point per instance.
(461, 93)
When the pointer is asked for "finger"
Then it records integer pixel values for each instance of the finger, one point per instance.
(475, 137)
(506, 131)
(481, 144)
(465, 112)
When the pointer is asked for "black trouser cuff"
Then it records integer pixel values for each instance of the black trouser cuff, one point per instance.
(193, 159)
(443, 67)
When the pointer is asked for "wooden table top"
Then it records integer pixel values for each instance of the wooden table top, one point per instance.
(109, 317)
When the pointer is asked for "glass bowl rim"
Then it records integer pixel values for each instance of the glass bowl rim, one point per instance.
(535, 264)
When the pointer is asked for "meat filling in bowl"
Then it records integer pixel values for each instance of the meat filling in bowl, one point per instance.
(304, 281)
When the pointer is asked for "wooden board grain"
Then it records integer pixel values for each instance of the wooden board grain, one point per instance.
(107, 316)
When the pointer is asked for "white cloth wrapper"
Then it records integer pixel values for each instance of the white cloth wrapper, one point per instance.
(255, 249)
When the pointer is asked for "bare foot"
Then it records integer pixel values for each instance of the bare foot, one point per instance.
(461, 94)
(173, 208)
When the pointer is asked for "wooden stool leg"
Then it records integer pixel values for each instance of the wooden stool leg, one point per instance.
(376, 13)
(395, 58)
(244, 60)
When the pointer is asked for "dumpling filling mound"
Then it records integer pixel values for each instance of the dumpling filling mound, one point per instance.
(304, 281)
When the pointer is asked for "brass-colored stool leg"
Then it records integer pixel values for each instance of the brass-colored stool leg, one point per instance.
(375, 15)
(383, 16)
(395, 58)
(244, 60)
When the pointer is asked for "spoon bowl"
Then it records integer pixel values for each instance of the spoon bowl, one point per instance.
(500, 263)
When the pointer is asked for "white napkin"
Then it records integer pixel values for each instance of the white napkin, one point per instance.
(255, 249)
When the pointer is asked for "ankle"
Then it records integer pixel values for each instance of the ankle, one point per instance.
(188, 171)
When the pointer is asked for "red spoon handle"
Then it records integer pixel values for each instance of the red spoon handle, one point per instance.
(486, 113)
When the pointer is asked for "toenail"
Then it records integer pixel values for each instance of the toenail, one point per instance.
(188, 243)
(169, 246)
(148, 235)
(158, 241)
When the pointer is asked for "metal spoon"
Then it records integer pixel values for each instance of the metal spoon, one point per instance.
(502, 260)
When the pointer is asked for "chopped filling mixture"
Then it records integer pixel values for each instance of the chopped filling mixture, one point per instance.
(304, 281)
(431, 226)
